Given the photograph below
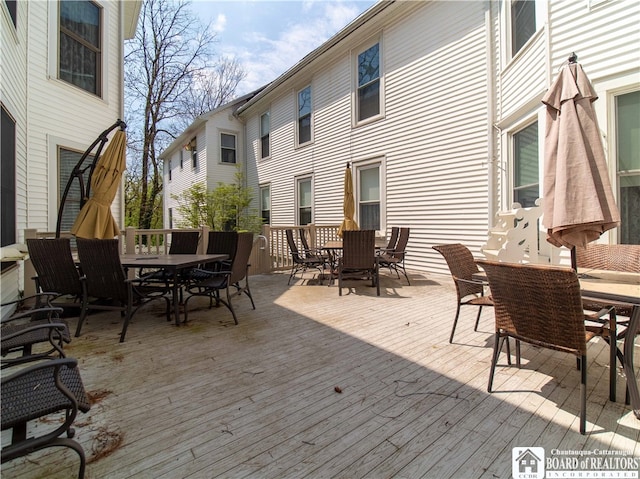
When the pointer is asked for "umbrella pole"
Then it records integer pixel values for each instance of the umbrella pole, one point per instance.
(574, 261)
(78, 171)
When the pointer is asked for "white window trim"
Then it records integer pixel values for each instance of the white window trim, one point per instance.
(298, 180)
(260, 188)
(54, 49)
(541, 21)
(364, 164)
(605, 108)
(311, 118)
(354, 82)
(231, 133)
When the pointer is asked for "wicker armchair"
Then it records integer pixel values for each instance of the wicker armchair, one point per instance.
(106, 287)
(226, 279)
(56, 270)
(542, 305)
(37, 325)
(462, 266)
(38, 391)
(359, 258)
(394, 259)
(302, 263)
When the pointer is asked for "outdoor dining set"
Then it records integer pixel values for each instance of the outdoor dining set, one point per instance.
(98, 279)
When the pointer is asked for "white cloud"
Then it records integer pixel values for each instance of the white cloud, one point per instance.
(220, 23)
(268, 58)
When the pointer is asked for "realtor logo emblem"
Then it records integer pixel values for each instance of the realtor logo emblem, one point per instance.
(527, 462)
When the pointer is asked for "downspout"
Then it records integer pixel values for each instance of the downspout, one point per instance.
(491, 133)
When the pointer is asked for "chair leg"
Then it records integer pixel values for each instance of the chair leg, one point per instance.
(83, 316)
(583, 395)
(494, 360)
(125, 326)
(475, 327)
(455, 322)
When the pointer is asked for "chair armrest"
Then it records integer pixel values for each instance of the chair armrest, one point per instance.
(48, 298)
(52, 312)
(61, 327)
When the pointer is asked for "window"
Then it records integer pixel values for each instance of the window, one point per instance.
(170, 218)
(264, 135)
(194, 152)
(181, 159)
(12, 6)
(523, 23)
(67, 161)
(227, 148)
(80, 53)
(628, 165)
(304, 115)
(304, 202)
(526, 180)
(368, 98)
(169, 170)
(265, 204)
(369, 197)
(8, 178)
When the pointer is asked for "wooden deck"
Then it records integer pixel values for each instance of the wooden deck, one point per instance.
(262, 400)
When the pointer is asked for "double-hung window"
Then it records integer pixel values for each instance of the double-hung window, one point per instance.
(8, 178)
(265, 128)
(227, 148)
(194, 152)
(304, 116)
(368, 88)
(369, 195)
(526, 180)
(628, 165)
(67, 160)
(80, 53)
(305, 201)
(265, 204)
(169, 168)
(523, 23)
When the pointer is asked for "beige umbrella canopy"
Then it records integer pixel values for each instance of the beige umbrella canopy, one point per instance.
(95, 219)
(349, 206)
(578, 200)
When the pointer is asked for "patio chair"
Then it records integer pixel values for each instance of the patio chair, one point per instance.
(312, 253)
(40, 391)
(300, 262)
(359, 258)
(393, 240)
(542, 305)
(106, 287)
(56, 270)
(394, 259)
(462, 267)
(30, 326)
(226, 279)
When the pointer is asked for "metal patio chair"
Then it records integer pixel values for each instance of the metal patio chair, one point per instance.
(300, 262)
(359, 258)
(394, 259)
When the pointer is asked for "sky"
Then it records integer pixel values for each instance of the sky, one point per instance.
(268, 37)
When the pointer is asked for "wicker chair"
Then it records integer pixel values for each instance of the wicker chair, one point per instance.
(104, 280)
(312, 253)
(301, 263)
(542, 305)
(39, 391)
(29, 326)
(469, 291)
(359, 258)
(394, 259)
(56, 270)
(226, 279)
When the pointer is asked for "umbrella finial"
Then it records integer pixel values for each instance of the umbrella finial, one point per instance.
(348, 165)
(573, 58)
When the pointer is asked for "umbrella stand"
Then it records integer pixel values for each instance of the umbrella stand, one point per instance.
(78, 171)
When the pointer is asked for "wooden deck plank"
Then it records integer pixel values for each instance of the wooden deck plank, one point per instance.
(211, 399)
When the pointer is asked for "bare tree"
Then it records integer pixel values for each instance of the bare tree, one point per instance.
(172, 53)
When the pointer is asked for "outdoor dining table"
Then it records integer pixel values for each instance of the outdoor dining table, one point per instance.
(619, 287)
(173, 264)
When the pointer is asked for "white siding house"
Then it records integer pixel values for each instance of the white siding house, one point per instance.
(210, 151)
(54, 106)
(436, 105)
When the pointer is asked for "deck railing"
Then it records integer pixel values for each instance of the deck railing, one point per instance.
(270, 249)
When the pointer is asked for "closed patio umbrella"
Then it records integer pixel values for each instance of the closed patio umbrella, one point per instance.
(578, 200)
(95, 219)
(349, 206)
